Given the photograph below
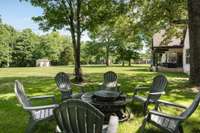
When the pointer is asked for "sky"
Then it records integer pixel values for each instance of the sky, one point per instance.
(18, 14)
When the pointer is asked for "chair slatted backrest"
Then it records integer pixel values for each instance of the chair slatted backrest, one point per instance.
(188, 112)
(110, 80)
(20, 94)
(76, 116)
(58, 118)
(159, 85)
(63, 82)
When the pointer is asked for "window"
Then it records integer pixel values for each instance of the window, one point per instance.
(187, 56)
(172, 57)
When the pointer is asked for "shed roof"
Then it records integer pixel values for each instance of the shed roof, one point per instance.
(42, 60)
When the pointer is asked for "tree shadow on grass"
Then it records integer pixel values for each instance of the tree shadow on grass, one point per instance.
(178, 90)
(193, 125)
(150, 130)
(31, 84)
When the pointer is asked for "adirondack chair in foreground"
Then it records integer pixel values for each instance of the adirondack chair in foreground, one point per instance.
(110, 81)
(157, 89)
(76, 116)
(168, 123)
(36, 113)
(64, 85)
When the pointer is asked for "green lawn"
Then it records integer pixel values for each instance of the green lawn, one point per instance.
(40, 81)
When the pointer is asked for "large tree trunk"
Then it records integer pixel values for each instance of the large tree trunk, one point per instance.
(76, 37)
(78, 72)
(107, 56)
(194, 35)
(129, 62)
(123, 62)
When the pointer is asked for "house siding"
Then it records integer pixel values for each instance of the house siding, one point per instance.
(186, 66)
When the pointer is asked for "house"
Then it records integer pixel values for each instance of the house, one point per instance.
(186, 53)
(171, 55)
(42, 63)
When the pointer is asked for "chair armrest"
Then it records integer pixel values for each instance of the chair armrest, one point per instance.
(44, 97)
(157, 93)
(170, 104)
(41, 107)
(166, 115)
(81, 85)
(139, 88)
(118, 84)
(41, 97)
(113, 124)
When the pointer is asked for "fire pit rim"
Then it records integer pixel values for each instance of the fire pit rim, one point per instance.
(106, 95)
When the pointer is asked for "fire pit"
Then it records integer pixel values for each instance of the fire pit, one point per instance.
(109, 102)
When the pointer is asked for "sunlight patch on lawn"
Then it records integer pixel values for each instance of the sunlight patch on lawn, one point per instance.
(7, 96)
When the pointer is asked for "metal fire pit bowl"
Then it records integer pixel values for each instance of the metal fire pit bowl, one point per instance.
(104, 95)
(109, 102)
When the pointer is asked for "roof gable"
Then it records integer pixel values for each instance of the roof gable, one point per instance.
(159, 39)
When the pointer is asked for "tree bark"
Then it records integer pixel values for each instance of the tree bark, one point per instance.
(129, 62)
(153, 54)
(78, 72)
(194, 35)
(107, 56)
(123, 60)
(76, 36)
(123, 63)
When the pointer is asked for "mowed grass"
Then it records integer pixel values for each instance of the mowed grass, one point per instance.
(40, 81)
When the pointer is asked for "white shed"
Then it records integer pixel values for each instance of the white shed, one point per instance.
(42, 63)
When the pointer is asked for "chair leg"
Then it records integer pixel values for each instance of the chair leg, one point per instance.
(145, 108)
(143, 124)
(179, 130)
(160, 109)
(31, 126)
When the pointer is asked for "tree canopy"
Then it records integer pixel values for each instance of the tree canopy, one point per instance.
(75, 16)
(23, 48)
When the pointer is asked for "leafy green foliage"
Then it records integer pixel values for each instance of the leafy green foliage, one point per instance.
(7, 36)
(53, 46)
(66, 56)
(121, 38)
(92, 53)
(25, 47)
(154, 15)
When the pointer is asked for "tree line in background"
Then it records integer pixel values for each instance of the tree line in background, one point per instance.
(23, 48)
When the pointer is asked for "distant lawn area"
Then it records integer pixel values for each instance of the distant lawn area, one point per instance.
(40, 81)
